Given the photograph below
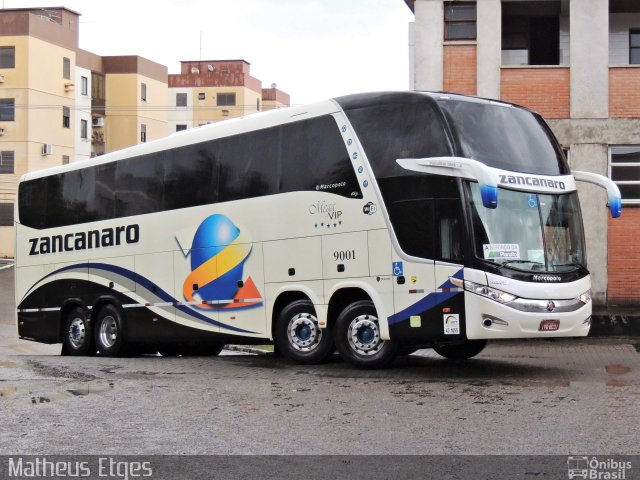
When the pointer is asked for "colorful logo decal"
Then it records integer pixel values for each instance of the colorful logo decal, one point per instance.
(218, 252)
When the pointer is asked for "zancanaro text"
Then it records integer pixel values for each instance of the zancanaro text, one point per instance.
(531, 181)
(107, 237)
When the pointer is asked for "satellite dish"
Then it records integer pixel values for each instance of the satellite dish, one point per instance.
(210, 67)
(195, 70)
(274, 85)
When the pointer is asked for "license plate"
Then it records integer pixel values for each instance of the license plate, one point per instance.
(549, 325)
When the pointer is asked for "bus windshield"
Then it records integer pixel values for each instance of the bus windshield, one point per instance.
(531, 232)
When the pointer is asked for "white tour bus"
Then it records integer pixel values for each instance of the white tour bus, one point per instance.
(374, 224)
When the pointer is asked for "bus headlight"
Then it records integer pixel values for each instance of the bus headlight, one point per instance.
(585, 297)
(495, 295)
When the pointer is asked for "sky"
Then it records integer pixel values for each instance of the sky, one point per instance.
(312, 49)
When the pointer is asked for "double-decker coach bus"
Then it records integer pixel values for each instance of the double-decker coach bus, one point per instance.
(373, 224)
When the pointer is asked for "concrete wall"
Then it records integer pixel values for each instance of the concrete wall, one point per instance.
(489, 34)
(589, 58)
(593, 201)
(429, 34)
(82, 112)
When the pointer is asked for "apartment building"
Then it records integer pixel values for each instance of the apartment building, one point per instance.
(207, 91)
(59, 103)
(37, 99)
(577, 62)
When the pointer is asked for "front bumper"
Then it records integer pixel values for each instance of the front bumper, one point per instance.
(507, 322)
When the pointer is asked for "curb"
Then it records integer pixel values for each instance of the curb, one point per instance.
(4, 267)
(246, 349)
(615, 325)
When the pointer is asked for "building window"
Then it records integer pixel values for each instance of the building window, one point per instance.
(7, 162)
(624, 170)
(84, 129)
(7, 109)
(201, 96)
(634, 47)
(6, 214)
(143, 133)
(7, 57)
(181, 99)
(66, 117)
(459, 20)
(84, 86)
(534, 34)
(65, 159)
(66, 68)
(225, 99)
(143, 92)
(180, 127)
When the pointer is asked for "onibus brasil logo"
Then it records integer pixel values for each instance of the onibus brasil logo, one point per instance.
(597, 468)
(218, 252)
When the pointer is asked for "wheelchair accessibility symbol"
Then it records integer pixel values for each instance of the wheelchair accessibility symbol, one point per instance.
(397, 269)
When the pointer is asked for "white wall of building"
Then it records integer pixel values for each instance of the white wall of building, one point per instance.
(82, 112)
(619, 26)
(180, 115)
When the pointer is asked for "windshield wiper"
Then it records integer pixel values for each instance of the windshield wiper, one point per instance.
(534, 264)
(574, 265)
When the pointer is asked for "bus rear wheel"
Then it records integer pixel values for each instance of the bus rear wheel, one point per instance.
(77, 337)
(109, 332)
(357, 337)
(461, 351)
(298, 335)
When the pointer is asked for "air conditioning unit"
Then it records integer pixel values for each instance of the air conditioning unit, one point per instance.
(1, 131)
(1, 78)
(97, 121)
(46, 149)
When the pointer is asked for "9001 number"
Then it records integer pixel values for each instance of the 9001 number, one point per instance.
(342, 255)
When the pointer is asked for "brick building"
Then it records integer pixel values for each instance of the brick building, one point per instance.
(207, 91)
(577, 62)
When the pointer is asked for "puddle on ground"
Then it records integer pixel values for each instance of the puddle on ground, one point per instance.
(616, 369)
(41, 393)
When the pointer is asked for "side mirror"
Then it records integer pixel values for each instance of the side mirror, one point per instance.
(613, 192)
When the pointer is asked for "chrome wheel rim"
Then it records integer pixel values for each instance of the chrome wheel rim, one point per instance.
(77, 332)
(364, 335)
(303, 332)
(108, 331)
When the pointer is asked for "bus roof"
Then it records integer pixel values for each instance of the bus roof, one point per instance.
(259, 121)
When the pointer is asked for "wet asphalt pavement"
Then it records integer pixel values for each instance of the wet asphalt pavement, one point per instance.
(565, 397)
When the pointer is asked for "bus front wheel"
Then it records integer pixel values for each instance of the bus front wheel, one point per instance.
(109, 331)
(357, 337)
(298, 335)
(77, 337)
(461, 351)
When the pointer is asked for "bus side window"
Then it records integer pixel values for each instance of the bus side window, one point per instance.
(413, 224)
(429, 228)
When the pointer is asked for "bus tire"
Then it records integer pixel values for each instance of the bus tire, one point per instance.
(357, 337)
(461, 351)
(109, 332)
(298, 335)
(77, 336)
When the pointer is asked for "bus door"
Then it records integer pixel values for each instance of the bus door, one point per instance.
(427, 304)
